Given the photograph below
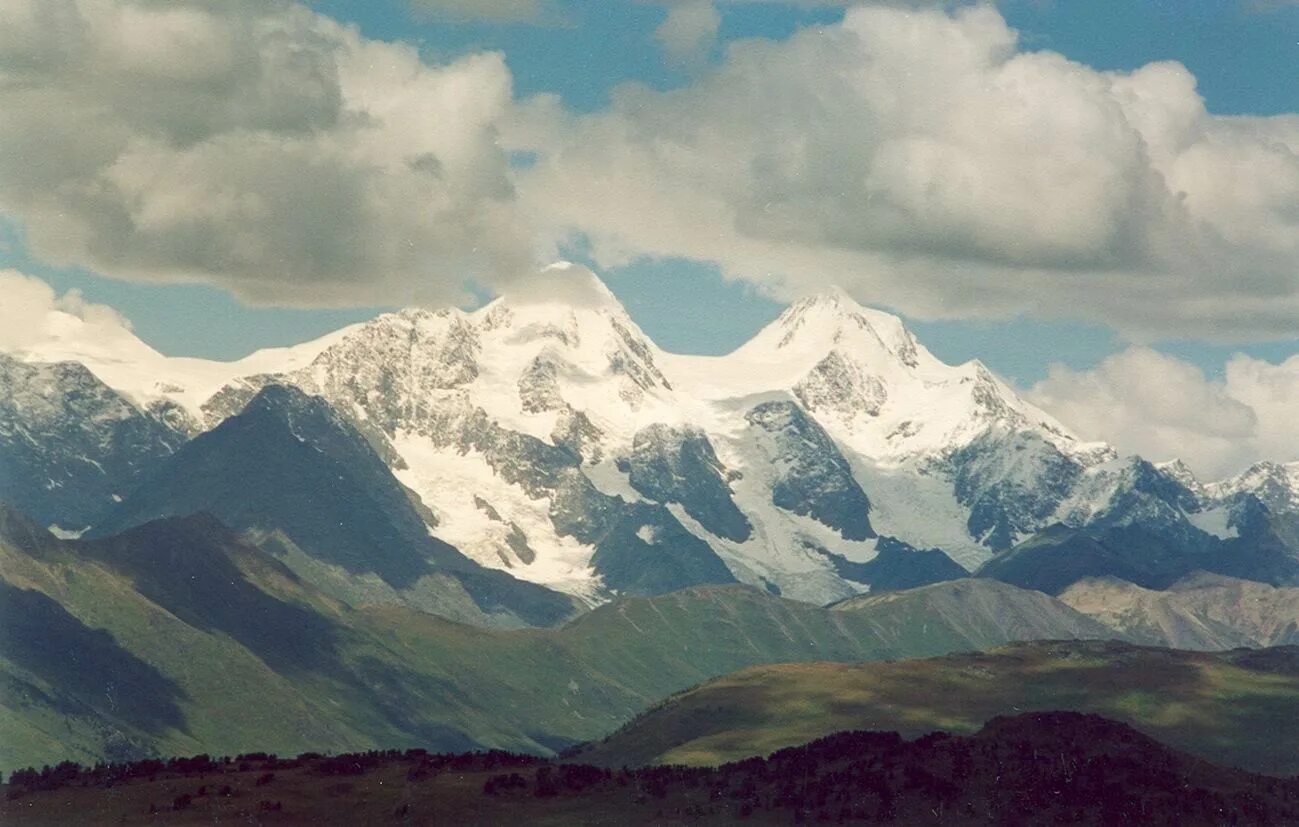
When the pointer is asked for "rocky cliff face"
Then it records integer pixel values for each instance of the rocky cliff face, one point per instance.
(70, 446)
(678, 465)
(813, 479)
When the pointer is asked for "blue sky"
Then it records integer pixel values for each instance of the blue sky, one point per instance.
(1244, 58)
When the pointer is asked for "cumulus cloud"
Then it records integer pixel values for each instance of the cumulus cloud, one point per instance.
(688, 33)
(33, 315)
(921, 159)
(258, 146)
(1148, 403)
(924, 160)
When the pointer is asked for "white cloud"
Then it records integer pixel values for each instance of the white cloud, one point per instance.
(688, 33)
(923, 160)
(22, 313)
(32, 315)
(1272, 392)
(258, 146)
(1148, 403)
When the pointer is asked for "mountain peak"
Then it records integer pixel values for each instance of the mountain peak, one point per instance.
(563, 283)
(832, 296)
(1282, 475)
(1180, 471)
(277, 395)
(834, 301)
(197, 529)
(302, 412)
(1267, 468)
(837, 304)
(833, 320)
(418, 315)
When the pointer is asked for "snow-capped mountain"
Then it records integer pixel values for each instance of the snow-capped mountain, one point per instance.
(520, 422)
(949, 455)
(1275, 484)
(291, 473)
(70, 446)
(170, 388)
(549, 436)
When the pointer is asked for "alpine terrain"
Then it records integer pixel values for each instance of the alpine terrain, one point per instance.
(544, 436)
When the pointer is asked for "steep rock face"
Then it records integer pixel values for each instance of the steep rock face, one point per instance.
(640, 548)
(231, 399)
(1151, 553)
(1054, 559)
(1265, 547)
(813, 478)
(398, 369)
(837, 386)
(289, 464)
(1150, 525)
(514, 537)
(646, 551)
(503, 404)
(897, 566)
(574, 431)
(1133, 492)
(1011, 481)
(511, 402)
(539, 385)
(678, 465)
(69, 444)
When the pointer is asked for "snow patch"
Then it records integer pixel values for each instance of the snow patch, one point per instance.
(449, 481)
(1214, 521)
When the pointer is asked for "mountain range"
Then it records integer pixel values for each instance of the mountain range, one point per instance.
(521, 462)
(179, 636)
(522, 526)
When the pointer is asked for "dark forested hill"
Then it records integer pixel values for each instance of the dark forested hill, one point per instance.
(1041, 768)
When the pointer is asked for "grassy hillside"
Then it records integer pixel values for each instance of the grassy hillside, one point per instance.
(1235, 708)
(178, 638)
